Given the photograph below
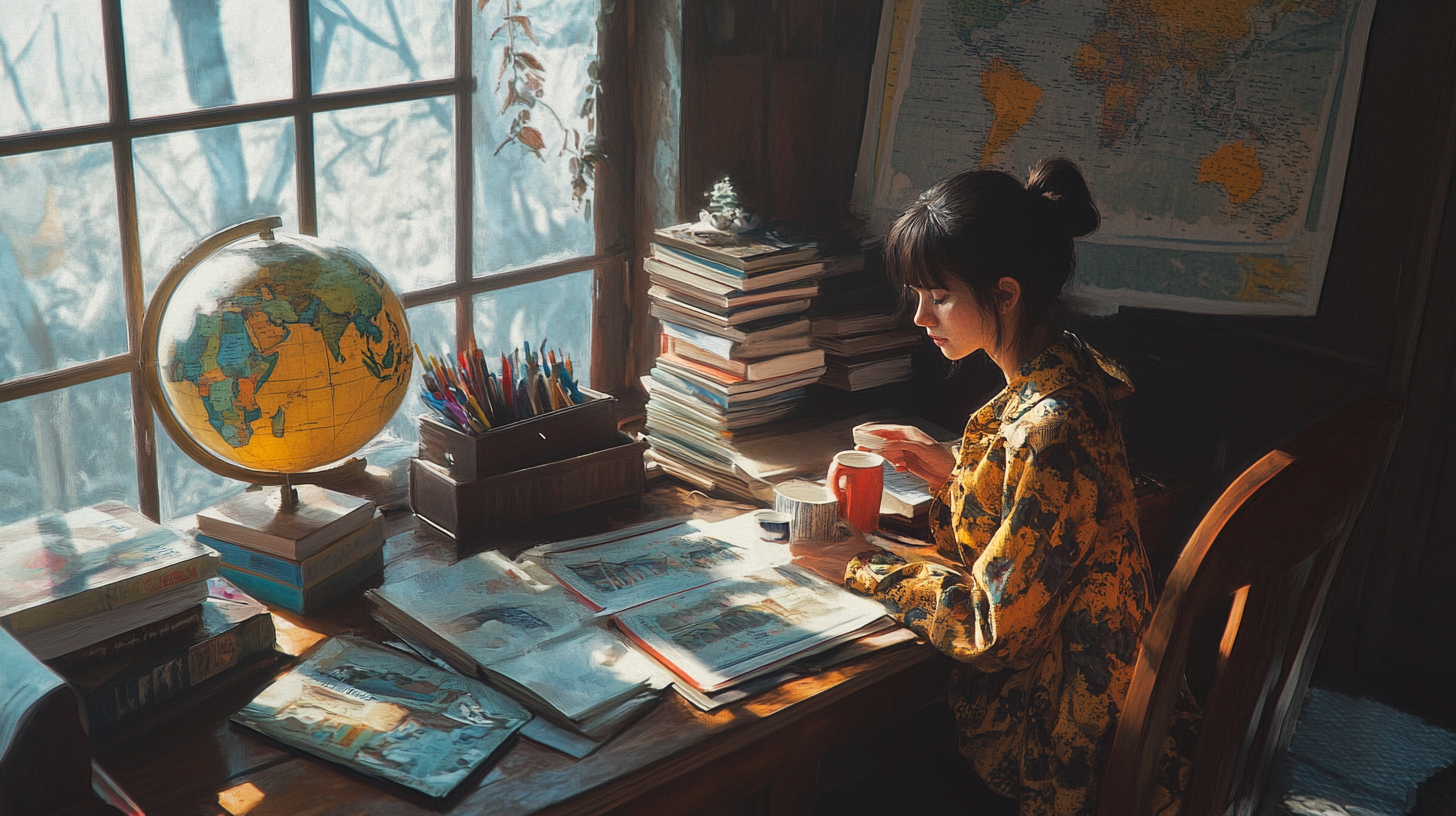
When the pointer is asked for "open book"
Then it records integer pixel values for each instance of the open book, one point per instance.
(488, 617)
(568, 630)
(715, 604)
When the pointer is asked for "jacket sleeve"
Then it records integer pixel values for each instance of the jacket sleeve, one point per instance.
(1006, 609)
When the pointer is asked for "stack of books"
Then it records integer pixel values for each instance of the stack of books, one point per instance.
(736, 350)
(128, 611)
(867, 342)
(299, 559)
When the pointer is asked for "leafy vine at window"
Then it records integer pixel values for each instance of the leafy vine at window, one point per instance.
(521, 83)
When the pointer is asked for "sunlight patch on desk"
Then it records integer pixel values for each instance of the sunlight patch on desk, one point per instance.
(292, 638)
(240, 799)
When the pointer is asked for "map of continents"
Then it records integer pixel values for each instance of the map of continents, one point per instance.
(292, 369)
(1213, 132)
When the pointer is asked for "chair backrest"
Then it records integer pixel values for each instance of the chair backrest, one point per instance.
(1272, 541)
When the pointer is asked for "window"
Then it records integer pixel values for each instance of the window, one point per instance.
(452, 143)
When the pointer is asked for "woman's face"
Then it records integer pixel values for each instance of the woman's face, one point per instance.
(954, 321)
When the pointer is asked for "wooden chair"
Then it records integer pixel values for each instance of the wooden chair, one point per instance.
(1273, 542)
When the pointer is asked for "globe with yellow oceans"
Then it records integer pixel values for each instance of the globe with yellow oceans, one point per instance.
(278, 353)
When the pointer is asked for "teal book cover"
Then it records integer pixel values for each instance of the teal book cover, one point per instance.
(383, 713)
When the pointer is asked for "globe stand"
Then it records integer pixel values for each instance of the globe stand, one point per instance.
(301, 507)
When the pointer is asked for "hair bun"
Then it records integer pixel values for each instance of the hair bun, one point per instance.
(1063, 194)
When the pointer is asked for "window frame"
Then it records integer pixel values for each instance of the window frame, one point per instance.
(611, 210)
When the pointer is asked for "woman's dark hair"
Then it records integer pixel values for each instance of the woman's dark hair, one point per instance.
(979, 226)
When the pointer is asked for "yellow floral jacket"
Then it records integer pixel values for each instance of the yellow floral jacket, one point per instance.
(1044, 619)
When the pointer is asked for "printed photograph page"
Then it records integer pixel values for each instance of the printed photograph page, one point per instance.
(730, 629)
(386, 714)
(618, 575)
(485, 607)
(581, 674)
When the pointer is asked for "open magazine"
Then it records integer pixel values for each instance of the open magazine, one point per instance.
(568, 630)
(386, 714)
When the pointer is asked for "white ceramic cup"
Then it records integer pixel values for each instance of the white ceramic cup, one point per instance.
(813, 511)
(865, 439)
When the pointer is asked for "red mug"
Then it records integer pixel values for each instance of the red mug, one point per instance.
(857, 479)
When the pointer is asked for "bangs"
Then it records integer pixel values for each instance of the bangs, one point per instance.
(919, 252)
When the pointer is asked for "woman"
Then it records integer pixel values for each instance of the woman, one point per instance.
(1038, 507)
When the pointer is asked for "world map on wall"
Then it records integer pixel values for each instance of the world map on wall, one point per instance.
(1213, 133)
(285, 354)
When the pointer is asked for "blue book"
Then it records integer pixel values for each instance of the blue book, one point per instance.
(310, 570)
(310, 599)
(769, 396)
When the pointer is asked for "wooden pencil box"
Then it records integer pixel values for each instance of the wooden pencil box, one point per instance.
(571, 431)
(473, 509)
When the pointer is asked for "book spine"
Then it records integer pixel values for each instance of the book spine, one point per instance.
(309, 571)
(127, 641)
(272, 566)
(682, 386)
(693, 257)
(267, 590)
(301, 600)
(149, 686)
(343, 552)
(111, 596)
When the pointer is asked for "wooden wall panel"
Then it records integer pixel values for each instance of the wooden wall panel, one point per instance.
(799, 98)
(734, 105)
(774, 88)
(801, 27)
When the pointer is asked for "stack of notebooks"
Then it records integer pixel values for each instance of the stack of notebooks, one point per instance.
(736, 350)
(128, 611)
(867, 342)
(299, 560)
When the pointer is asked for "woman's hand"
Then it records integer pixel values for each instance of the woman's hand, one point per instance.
(909, 448)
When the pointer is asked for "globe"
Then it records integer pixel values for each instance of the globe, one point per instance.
(275, 353)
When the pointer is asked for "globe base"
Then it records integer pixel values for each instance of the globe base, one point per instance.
(292, 526)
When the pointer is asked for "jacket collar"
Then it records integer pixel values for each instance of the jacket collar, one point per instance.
(1066, 362)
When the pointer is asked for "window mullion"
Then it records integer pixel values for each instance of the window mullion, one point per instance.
(144, 431)
(305, 181)
(464, 171)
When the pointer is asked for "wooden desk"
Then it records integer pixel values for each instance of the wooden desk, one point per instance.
(756, 757)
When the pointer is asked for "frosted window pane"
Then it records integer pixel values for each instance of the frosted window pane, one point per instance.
(60, 261)
(188, 54)
(558, 311)
(187, 486)
(368, 43)
(67, 449)
(52, 65)
(192, 184)
(386, 187)
(525, 211)
(432, 328)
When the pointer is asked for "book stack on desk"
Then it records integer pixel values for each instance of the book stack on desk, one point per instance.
(128, 611)
(736, 351)
(299, 561)
(74, 580)
(866, 340)
(228, 635)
